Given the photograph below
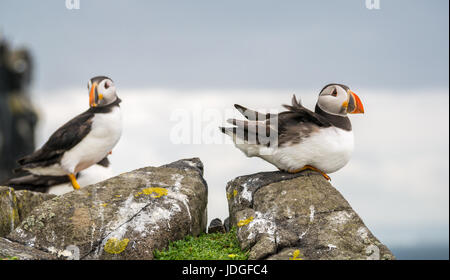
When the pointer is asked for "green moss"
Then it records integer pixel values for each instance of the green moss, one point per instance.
(9, 258)
(215, 246)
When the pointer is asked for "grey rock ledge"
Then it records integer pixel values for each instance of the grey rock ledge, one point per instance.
(298, 216)
(125, 217)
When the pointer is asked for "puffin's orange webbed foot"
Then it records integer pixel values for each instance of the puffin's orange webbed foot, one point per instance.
(74, 182)
(309, 167)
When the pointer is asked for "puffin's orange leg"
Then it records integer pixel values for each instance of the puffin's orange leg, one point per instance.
(309, 167)
(74, 182)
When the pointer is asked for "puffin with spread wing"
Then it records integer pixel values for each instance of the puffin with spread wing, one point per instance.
(299, 139)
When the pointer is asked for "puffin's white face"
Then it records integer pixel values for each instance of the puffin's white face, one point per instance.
(102, 92)
(339, 100)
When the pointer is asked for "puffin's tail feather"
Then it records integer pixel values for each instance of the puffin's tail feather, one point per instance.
(30, 158)
(228, 130)
(251, 114)
(296, 105)
(18, 170)
(28, 181)
(294, 102)
(235, 133)
(250, 132)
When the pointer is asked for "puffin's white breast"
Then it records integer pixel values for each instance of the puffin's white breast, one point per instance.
(328, 149)
(105, 133)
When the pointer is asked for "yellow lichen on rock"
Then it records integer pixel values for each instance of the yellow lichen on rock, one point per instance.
(116, 246)
(153, 192)
(295, 255)
(231, 195)
(245, 222)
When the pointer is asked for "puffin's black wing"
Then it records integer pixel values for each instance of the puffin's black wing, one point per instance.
(297, 113)
(298, 123)
(293, 125)
(63, 139)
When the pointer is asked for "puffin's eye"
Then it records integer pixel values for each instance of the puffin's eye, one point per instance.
(334, 93)
(107, 85)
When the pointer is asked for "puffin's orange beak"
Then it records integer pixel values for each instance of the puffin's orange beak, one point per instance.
(354, 104)
(92, 96)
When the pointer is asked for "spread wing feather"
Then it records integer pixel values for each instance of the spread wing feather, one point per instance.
(253, 115)
(288, 124)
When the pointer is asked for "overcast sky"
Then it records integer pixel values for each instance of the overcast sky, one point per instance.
(200, 55)
(234, 44)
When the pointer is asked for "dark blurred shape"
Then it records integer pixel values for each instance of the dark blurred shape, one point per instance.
(216, 226)
(18, 117)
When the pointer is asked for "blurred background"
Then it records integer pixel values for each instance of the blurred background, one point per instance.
(207, 55)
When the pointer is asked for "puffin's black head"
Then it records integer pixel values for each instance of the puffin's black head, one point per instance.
(338, 99)
(102, 91)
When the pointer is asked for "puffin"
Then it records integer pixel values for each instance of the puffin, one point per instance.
(59, 185)
(84, 140)
(299, 139)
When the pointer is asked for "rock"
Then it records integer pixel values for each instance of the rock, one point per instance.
(16, 205)
(125, 217)
(9, 212)
(226, 224)
(288, 254)
(298, 216)
(28, 200)
(13, 250)
(216, 226)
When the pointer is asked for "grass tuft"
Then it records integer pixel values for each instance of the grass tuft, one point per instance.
(9, 258)
(215, 246)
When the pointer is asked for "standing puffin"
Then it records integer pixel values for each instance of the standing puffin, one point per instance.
(299, 139)
(84, 140)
